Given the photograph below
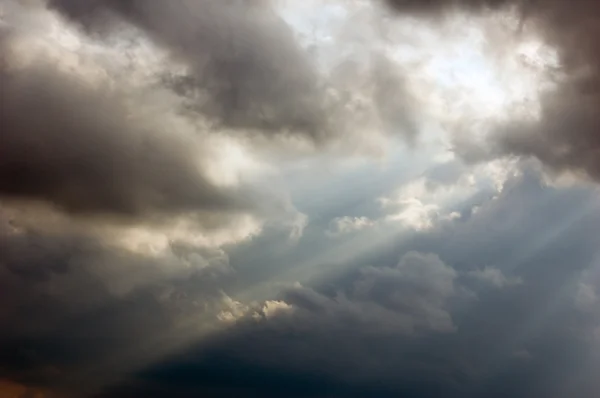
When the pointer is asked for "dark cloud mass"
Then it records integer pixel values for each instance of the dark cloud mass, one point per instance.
(246, 69)
(150, 241)
(353, 336)
(71, 302)
(83, 149)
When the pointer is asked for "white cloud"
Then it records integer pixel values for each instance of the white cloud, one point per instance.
(423, 202)
(274, 307)
(232, 311)
(346, 225)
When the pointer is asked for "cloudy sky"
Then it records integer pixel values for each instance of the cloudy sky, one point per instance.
(283, 198)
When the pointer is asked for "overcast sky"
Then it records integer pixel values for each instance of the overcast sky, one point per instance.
(282, 198)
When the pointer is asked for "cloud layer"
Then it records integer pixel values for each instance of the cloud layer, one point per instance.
(274, 198)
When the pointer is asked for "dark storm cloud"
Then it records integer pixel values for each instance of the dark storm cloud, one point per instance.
(246, 70)
(324, 345)
(89, 144)
(73, 305)
(566, 139)
(412, 325)
(82, 269)
(407, 298)
(83, 149)
(347, 336)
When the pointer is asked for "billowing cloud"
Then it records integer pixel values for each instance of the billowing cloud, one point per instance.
(85, 148)
(404, 300)
(563, 136)
(74, 304)
(245, 68)
(281, 198)
(242, 67)
(81, 149)
(400, 300)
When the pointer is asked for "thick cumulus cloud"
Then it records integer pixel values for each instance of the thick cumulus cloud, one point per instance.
(80, 149)
(246, 69)
(85, 148)
(105, 190)
(114, 208)
(565, 135)
(132, 208)
(242, 67)
(270, 83)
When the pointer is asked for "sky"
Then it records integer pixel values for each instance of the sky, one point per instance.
(319, 198)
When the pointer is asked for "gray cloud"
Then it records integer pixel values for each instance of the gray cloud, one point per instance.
(565, 138)
(317, 333)
(82, 269)
(407, 299)
(291, 86)
(85, 150)
(396, 328)
(347, 336)
(396, 108)
(494, 277)
(76, 304)
(90, 161)
(94, 143)
(421, 284)
(246, 70)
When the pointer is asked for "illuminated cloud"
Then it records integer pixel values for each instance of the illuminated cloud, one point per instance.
(346, 225)
(280, 198)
